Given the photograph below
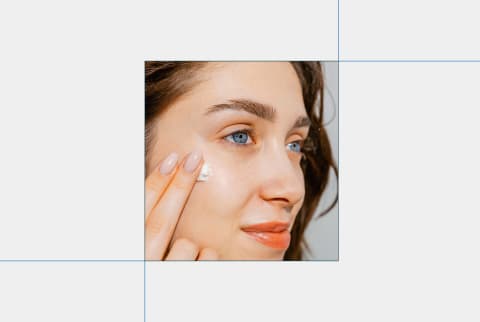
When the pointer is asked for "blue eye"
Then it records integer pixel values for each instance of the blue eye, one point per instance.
(295, 146)
(239, 137)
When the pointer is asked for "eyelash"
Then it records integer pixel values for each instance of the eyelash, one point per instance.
(251, 134)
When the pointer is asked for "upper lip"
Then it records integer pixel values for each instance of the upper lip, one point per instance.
(269, 226)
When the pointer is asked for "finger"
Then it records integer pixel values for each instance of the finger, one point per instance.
(183, 249)
(163, 218)
(208, 254)
(158, 180)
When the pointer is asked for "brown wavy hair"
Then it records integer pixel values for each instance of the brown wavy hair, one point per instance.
(167, 81)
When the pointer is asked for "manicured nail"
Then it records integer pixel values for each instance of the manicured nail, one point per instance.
(192, 161)
(169, 163)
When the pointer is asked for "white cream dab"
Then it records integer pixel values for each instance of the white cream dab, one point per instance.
(205, 172)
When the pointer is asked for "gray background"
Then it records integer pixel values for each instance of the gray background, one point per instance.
(322, 233)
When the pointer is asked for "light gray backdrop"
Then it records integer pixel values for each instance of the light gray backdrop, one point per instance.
(322, 234)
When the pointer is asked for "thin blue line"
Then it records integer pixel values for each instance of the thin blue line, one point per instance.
(71, 260)
(144, 245)
(338, 161)
(410, 61)
(338, 30)
(144, 291)
(338, 133)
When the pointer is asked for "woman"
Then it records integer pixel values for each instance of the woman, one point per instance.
(254, 130)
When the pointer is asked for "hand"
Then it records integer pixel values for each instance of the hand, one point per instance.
(166, 192)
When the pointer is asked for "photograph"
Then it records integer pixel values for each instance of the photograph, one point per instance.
(239, 163)
(284, 149)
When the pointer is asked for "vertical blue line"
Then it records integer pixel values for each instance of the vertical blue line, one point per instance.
(338, 30)
(144, 215)
(338, 127)
(144, 290)
(338, 161)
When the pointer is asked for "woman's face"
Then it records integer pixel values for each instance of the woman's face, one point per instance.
(249, 120)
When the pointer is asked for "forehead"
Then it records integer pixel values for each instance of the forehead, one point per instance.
(273, 83)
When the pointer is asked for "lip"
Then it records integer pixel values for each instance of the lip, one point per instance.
(273, 234)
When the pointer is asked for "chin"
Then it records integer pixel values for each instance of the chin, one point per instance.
(252, 257)
(252, 251)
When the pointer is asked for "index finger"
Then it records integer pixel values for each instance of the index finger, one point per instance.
(158, 180)
(161, 221)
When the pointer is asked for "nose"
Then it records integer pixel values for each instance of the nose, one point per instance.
(281, 180)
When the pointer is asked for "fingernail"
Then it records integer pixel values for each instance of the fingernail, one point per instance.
(192, 161)
(169, 163)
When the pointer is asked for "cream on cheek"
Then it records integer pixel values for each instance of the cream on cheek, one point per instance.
(205, 173)
(211, 215)
(226, 181)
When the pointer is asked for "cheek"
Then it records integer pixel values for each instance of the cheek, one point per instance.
(212, 214)
(170, 135)
(221, 193)
(296, 208)
(228, 181)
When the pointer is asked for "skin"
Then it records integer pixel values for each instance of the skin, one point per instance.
(251, 183)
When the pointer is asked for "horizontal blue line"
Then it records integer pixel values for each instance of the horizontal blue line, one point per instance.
(145, 261)
(409, 61)
(71, 260)
(340, 60)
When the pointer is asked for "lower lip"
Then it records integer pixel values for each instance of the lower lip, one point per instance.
(277, 240)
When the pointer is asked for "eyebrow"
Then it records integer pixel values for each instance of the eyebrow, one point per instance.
(302, 121)
(261, 110)
(258, 109)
